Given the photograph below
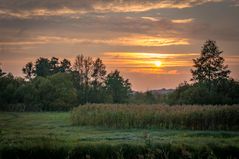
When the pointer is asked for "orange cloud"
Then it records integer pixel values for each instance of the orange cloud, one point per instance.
(182, 21)
(134, 40)
(140, 6)
(145, 62)
(153, 41)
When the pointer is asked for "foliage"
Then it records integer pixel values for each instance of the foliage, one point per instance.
(89, 78)
(212, 83)
(210, 65)
(8, 86)
(156, 116)
(44, 67)
(147, 97)
(55, 85)
(55, 92)
(117, 87)
(220, 92)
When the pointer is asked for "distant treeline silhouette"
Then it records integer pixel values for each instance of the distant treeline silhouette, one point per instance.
(51, 84)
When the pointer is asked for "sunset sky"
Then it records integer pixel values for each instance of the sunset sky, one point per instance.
(151, 42)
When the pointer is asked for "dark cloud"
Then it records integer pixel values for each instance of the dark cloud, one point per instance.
(99, 5)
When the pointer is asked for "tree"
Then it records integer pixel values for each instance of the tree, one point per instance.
(54, 65)
(43, 67)
(65, 66)
(99, 73)
(1, 72)
(82, 76)
(97, 92)
(210, 65)
(29, 70)
(65, 93)
(8, 86)
(89, 76)
(117, 87)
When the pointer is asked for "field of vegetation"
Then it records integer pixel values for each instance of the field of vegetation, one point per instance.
(58, 135)
(158, 116)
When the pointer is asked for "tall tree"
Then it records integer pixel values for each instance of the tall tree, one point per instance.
(82, 75)
(97, 91)
(99, 73)
(210, 65)
(117, 87)
(29, 70)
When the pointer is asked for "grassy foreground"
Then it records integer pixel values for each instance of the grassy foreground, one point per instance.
(51, 135)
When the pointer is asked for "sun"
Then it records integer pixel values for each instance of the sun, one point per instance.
(158, 63)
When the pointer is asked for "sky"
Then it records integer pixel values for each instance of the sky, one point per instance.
(152, 43)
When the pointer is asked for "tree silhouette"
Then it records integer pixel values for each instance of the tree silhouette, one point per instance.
(29, 70)
(117, 87)
(99, 73)
(54, 65)
(65, 66)
(1, 72)
(43, 67)
(83, 67)
(210, 65)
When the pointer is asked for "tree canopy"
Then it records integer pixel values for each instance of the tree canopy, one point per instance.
(117, 87)
(210, 65)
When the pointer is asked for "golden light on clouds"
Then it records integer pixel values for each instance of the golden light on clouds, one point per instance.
(150, 18)
(134, 40)
(153, 41)
(182, 21)
(148, 63)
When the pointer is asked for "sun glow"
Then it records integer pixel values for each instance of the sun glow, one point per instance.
(158, 63)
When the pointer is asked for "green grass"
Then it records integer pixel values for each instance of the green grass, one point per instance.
(26, 134)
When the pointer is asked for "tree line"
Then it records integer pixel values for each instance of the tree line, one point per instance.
(53, 84)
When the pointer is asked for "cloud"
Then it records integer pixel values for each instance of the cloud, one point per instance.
(182, 21)
(32, 8)
(136, 40)
(150, 18)
(139, 62)
(24, 14)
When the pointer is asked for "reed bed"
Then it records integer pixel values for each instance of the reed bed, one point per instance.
(192, 117)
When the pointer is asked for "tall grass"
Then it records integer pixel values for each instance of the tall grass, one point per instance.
(158, 116)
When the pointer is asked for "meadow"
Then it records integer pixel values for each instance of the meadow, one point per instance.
(56, 135)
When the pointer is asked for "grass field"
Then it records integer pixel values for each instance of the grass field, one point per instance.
(51, 135)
